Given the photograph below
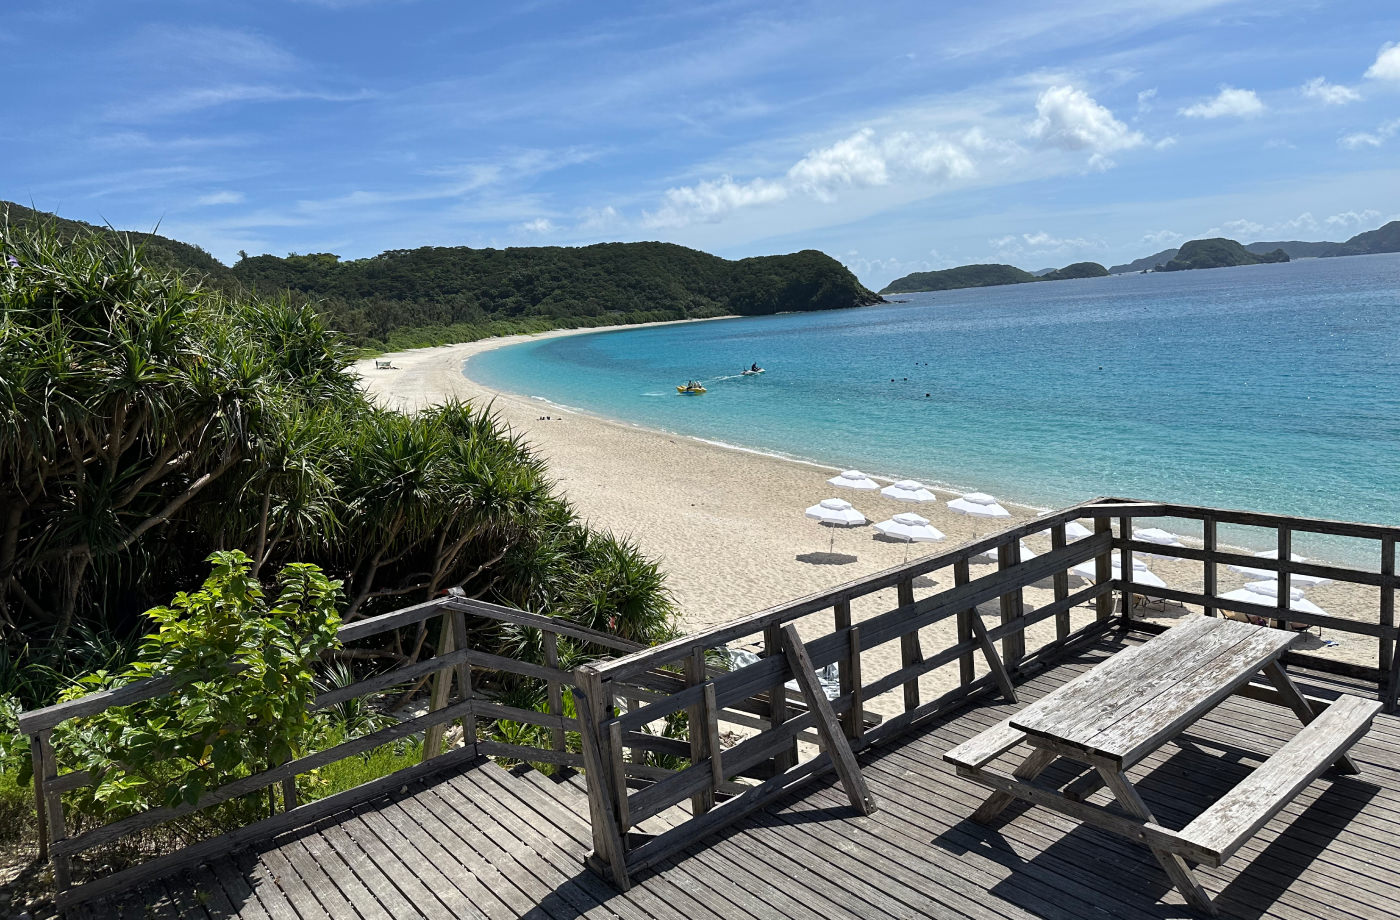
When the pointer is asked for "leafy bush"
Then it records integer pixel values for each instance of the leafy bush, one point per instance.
(243, 673)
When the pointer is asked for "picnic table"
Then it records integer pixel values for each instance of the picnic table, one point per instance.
(1112, 717)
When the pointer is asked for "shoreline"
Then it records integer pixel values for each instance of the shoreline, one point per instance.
(726, 522)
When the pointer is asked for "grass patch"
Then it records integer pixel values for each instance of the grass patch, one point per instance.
(17, 818)
(360, 769)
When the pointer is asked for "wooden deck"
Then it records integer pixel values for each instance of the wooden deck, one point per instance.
(484, 842)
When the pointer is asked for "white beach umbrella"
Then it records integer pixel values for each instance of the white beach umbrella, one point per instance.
(978, 504)
(854, 479)
(1141, 574)
(1027, 553)
(1294, 581)
(907, 490)
(1160, 537)
(835, 512)
(910, 527)
(1266, 593)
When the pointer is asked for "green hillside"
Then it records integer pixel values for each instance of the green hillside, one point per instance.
(964, 276)
(1077, 270)
(434, 295)
(1217, 253)
(438, 288)
(1382, 239)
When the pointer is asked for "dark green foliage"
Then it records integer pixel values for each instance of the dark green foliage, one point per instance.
(1076, 270)
(1217, 253)
(964, 276)
(1146, 263)
(145, 423)
(434, 294)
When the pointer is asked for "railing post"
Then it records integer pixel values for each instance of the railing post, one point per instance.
(45, 772)
(1285, 579)
(850, 667)
(555, 690)
(1103, 571)
(1125, 567)
(464, 677)
(697, 716)
(442, 687)
(966, 674)
(911, 652)
(1390, 685)
(1013, 647)
(36, 759)
(777, 698)
(855, 716)
(1208, 537)
(609, 856)
(1061, 582)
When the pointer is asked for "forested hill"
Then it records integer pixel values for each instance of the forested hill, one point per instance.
(436, 287)
(159, 251)
(434, 295)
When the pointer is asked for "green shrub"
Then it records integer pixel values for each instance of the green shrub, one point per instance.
(243, 674)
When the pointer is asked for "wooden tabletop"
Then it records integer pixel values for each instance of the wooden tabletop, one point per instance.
(1142, 697)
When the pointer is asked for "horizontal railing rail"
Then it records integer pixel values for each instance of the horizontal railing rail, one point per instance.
(721, 783)
(450, 667)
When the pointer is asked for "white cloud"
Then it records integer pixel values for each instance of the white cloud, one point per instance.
(1232, 102)
(1069, 118)
(216, 198)
(1144, 100)
(1384, 132)
(862, 160)
(1329, 93)
(712, 200)
(1163, 238)
(598, 220)
(1350, 219)
(1387, 65)
(206, 49)
(538, 225)
(1236, 229)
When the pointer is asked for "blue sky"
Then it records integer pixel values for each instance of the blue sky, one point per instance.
(894, 136)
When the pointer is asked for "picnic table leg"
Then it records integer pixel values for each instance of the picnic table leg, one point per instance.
(1036, 761)
(1177, 869)
(1301, 707)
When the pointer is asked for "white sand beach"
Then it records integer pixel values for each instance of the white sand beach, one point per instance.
(727, 525)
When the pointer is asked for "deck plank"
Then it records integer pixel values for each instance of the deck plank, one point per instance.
(479, 841)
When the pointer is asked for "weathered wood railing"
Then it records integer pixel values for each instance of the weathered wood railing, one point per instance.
(452, 663)
(722, 784)
(761, 766)
(1131, 515)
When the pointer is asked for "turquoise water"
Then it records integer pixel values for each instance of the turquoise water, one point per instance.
(1270, 387)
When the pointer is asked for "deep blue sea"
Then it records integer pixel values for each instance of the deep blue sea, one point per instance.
(1268, 387)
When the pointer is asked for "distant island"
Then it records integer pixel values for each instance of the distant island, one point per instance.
(967, 276)
(435, 295)
(1371, 242)
(1217, 253)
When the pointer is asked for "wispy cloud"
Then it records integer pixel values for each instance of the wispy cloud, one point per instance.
(1359, 140)
(183, 102)
(1329, 93)
(206, 49)
(1229, 102)
(218, 198)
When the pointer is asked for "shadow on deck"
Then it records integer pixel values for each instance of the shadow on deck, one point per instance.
(485, 842)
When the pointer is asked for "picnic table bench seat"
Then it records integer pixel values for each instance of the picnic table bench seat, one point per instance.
(1233, 820)
(983, 748)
